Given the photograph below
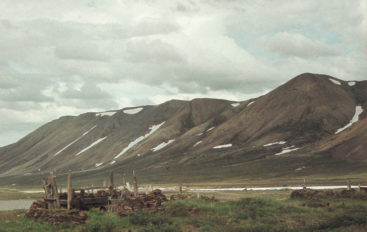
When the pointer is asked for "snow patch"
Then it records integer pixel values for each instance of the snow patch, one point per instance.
(106, 113)
(200, 134)
(270, 144)
(223, 146)
(92, 145)
(355, 118)
(251, 103)
(235, 104)
(98, 164)
(300, 168)
(133, 111)
(141, 138)
(351, 83)
(85, 133)
(335, 81)
(287, 149)
(197, 143)
(112, 162)
(211, 128)
(162, 145)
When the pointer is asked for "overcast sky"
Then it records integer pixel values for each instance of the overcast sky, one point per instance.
(68, 57)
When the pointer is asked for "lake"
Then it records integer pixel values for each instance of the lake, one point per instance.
(15, 204)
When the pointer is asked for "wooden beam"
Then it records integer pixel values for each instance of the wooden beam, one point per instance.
(44, 183)
(111, 180)
(54, 189)
(135, 184)
(123, 179)
(70, 191)
(349, 185)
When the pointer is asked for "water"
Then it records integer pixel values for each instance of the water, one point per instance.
(15, 204)
(271, 188)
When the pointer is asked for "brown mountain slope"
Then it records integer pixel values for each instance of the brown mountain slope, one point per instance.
(296, 119)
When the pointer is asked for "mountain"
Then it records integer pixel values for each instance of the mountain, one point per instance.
(313, 125)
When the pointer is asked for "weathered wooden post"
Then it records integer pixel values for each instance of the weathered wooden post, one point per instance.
(304, 187)
(45, 187)
(55, 193)
(180, 189)
(123, 179)
(359, 187)
(349, 187)
(70, 191)
(135, 184)
(111, 180)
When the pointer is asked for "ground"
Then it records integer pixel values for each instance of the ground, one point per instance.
(235, 211)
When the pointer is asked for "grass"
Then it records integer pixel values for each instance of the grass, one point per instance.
(250, 211)
(15, 194)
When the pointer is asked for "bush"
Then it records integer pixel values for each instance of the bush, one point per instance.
(99, 221)
(346, 219)
(147, 218)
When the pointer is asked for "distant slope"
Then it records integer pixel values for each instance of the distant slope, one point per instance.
(295, 122)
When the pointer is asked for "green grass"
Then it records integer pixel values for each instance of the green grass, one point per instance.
(250, 213)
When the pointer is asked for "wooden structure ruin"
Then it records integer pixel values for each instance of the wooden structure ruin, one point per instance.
(86, 198)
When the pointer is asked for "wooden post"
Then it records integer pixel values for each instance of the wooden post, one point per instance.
(44, 183)
(359, 187)
(55, 194)
(349, 187)
(123, 179)
(70, 191)
(180, 189)
(135, 184)
(111, 180)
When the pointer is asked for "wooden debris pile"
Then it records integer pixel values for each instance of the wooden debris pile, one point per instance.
(131, 203)
(39, 211)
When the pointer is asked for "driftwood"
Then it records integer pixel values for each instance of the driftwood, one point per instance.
(40, 211)
(151, 202)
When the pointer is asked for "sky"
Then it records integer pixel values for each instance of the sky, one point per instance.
(69, 57)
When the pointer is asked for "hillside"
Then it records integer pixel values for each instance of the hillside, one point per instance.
(312, 125)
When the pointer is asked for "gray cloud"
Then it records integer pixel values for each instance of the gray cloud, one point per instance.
(291, 44)
(68, 57)
(86, 51)
(88, 91)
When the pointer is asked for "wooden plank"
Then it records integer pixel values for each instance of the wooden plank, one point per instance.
(54, 189)
(111, 180)
(135, 184)
(44, 183)
(70, 191)
(123, 179)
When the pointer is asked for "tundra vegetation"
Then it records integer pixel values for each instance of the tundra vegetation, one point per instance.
(235, 211)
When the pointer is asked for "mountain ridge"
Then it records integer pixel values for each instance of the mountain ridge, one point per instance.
(305, 113)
